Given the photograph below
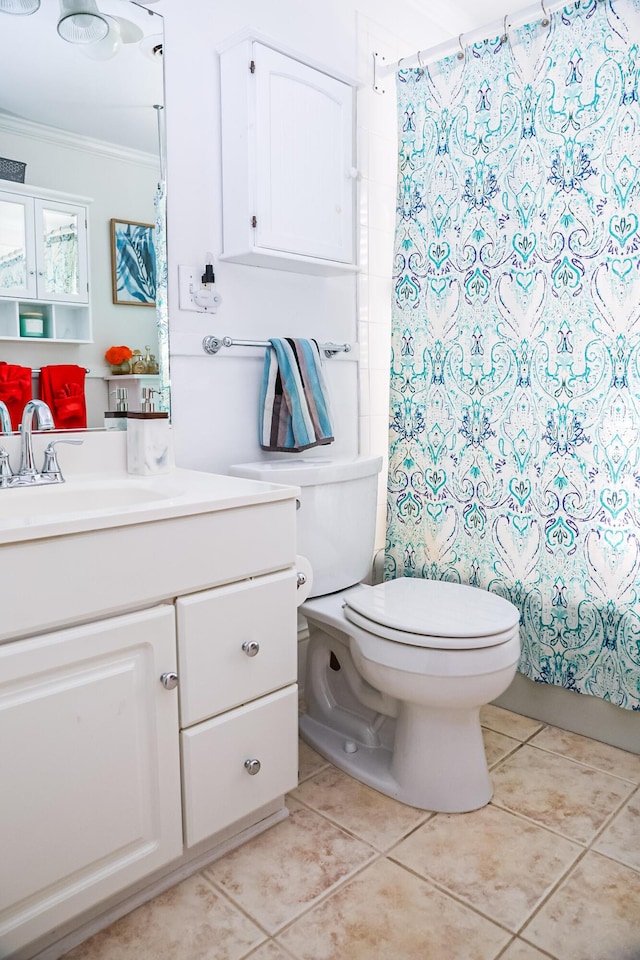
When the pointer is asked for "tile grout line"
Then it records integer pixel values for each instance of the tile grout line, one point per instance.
(583, 763)
(550, 893)
(322, 896)
(445, 891)
(329, 892)
(236, 906)
(429, 815)
(607, 823)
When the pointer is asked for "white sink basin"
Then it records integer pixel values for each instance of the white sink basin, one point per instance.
(63, 499)
(98, 502)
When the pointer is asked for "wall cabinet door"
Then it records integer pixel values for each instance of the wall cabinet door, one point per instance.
(89, 753)
(17, 247)
(288, 162)
(43, 249)
(61, 251)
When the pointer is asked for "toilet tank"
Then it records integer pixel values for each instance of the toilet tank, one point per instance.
(337, 516)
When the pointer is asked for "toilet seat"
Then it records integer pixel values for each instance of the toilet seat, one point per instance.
(432, 613)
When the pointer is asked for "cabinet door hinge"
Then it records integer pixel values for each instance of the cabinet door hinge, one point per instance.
(254, 221)
(252, 67)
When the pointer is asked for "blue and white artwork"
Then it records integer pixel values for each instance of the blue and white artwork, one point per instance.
(134, 273)
(515, 374)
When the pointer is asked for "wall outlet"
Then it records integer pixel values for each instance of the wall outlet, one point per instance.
(195, 295)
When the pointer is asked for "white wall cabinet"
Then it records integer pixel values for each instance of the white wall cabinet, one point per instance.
(90, 791)
(44, 264)
(288, 186)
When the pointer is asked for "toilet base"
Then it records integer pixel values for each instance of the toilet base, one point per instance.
(455, 780)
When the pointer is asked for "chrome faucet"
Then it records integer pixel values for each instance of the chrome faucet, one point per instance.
(27, 473)
(5, 418)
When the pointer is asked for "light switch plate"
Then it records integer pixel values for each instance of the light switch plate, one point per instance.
(195, 295)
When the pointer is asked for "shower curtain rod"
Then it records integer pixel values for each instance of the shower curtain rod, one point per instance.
(540, 10)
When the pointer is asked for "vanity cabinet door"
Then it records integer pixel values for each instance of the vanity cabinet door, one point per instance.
(236, 643)
(89, 754)
(237, 763)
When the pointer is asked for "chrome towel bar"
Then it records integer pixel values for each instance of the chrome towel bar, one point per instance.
(212, 344)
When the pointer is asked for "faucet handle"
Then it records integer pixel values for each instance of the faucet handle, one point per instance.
(5, 467)
(51, 467)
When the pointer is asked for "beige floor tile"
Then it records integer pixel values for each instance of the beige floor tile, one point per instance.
(600, 755)
(269, 951)
(372, 816)
(190, 920)
(511, 724)
(497, 746)
(518, 950)
(594, 915)
(556, 792)
(281, 872)
(621, 839)
(309, 762)
(387, 913)
(493, 860)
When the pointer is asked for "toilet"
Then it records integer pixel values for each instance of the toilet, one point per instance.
(396, 673)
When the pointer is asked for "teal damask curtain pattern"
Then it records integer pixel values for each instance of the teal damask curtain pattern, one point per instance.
(515, 372)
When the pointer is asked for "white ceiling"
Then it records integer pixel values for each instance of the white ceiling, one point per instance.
(47, 80)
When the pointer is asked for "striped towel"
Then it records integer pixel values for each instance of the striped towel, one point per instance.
(294, 406)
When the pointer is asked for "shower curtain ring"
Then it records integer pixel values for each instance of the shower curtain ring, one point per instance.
(505, 27)
(461, 51)
(420, 63)
(545, 18)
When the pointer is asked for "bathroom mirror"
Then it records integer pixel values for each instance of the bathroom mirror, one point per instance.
(86, 120)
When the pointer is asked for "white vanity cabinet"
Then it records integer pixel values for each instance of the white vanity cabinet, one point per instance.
(148, 695)
(90, 785)
(289, 186)
(44, 264)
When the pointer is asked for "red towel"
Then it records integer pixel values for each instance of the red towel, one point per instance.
(62, 389)
(15, 389)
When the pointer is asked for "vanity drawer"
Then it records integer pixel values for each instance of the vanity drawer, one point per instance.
(218, 789)
(218, 631)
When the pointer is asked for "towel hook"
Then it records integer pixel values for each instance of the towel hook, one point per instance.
(461, 50)
(505, 29)
(545, 16)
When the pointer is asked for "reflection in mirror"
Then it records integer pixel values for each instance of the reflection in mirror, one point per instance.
(81, 137)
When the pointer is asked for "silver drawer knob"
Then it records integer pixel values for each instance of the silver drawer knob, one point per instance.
(251, 648)
(252, 767)
(169, 680)
(301, 579)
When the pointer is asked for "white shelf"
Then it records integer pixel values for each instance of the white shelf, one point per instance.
(63, 322)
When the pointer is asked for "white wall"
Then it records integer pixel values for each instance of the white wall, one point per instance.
(214, 399)
(118, 187)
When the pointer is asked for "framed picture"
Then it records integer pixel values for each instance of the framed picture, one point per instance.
(133, 263)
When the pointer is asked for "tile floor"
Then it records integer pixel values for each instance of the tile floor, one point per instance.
(550, 868)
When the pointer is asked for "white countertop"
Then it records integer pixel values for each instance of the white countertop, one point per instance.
(110, 497)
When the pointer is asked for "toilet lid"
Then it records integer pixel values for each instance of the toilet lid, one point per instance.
(432, 613)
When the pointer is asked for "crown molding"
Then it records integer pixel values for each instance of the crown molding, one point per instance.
(75, 141)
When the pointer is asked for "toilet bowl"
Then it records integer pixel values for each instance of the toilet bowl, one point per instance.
(395, 673)
(399, 709)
